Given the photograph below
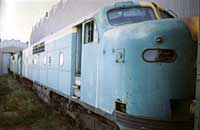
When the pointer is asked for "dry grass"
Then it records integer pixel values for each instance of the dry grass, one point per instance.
(21, 109)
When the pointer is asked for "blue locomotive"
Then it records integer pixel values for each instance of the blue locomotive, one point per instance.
(128, 66)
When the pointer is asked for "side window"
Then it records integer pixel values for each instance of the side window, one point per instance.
(61, 59)
(34, 61)
(13, 60)
(89, 32)
(50, 60)
(44, 60)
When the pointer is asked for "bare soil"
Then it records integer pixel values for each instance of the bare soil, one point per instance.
(21, 109)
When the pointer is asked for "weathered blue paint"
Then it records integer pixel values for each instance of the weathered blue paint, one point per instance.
(101, 17)
(146, 88)
(16, 63)
(89, 74)
(73, 63)
(51, 73)
(112, 66)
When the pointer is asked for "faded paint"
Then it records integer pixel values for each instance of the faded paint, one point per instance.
(8, 47)
(112, 68)
(6, 57)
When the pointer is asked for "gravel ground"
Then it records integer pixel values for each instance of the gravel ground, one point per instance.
(21, 109)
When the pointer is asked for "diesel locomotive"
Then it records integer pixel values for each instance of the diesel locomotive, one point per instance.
(128, 66)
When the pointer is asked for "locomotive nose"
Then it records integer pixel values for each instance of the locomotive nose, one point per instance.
(154, 59)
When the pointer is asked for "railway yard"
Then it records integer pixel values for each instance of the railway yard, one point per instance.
(21, 109)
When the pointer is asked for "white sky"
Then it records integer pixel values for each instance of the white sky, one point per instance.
(18, 16)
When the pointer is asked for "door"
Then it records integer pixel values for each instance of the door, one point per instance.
(89, 75)
(78, 51)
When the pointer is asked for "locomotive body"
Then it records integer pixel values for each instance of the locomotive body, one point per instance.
(125, 62)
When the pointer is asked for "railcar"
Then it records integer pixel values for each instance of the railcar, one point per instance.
(128, 66)
(15, 64)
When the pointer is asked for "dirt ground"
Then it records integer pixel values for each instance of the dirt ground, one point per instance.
(21, 109)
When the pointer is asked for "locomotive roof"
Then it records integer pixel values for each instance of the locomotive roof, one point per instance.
(12, 46)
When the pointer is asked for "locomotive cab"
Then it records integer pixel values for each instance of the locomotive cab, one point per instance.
(144, 67)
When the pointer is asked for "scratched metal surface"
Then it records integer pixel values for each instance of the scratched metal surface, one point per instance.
(146, 88)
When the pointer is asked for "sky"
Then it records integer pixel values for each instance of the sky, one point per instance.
(18, 16)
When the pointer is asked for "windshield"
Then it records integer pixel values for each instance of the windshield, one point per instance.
(130, 15)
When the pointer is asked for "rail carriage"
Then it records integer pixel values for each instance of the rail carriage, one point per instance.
(128, 66)
(15, 64)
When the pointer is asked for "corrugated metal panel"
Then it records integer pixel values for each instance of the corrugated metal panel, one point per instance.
(65, 13)
(181, 7)
(61, 14)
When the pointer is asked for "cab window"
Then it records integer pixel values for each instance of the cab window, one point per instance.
(89, 32)
(130, 15)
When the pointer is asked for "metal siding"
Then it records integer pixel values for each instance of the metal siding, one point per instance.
(181, 7)
(53, 75)
(89, 73)
(6, 57)
(43, 69)
(15, 64)
(25, 63)
(121, 81)
(65, 72)
(29, 52)
(1, 63)
(52, 71)
(35, 69)
(19, 64)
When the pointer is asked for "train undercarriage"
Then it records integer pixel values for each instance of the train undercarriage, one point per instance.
(83, 118)
(89, 118)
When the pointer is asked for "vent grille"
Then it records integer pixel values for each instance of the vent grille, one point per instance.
(39, 48)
